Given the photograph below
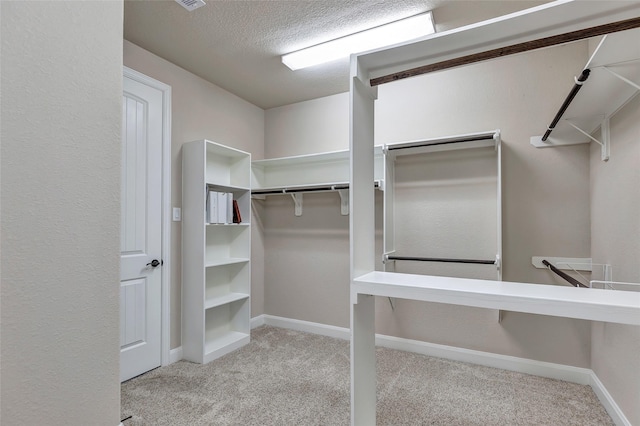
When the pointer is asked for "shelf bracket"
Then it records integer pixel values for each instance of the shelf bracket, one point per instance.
(344, 201)
(297, 200)
(605, 136)
(564, 263)
(626, 80)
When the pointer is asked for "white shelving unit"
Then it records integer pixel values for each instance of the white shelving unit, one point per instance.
(216, 266)
(296, 175)
(487, 141)
(614, 80)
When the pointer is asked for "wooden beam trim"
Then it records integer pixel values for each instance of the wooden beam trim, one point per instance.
(510, 50)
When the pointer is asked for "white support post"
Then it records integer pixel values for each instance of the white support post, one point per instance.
(297, 200)
(363, 360)
(498, 146)
(605, 134)
(362, 245)
(344, 201)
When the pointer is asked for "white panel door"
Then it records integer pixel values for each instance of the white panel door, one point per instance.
(141, 230)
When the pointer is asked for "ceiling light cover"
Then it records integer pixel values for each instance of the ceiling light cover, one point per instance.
(385, 35)
(191, 5)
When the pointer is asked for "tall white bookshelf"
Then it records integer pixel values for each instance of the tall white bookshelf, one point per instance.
(216, 266)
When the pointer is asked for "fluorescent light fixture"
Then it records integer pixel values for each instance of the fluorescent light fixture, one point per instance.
(191, 5)
(385, 35)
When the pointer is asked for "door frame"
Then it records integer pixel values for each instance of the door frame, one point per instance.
(165, 308)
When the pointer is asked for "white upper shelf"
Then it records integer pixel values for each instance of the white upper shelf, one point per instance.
(603, 94)
(306, 171)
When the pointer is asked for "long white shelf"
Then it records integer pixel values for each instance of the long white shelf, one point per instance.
(582, 303)
(223, 300)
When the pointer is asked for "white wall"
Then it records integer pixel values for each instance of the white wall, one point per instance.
(318, 125)
(201, 110)
(615, 240)
(448, 200)
(61, 131)
(545, 202)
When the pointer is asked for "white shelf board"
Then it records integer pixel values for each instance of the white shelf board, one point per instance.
(228, 224)
(218, 149)
(223, 300)
(227, 188)
(226, 261)
(603, 94)
(328, 156)
(224, 343)
(306, 171)
(616, 48)
(581, 303)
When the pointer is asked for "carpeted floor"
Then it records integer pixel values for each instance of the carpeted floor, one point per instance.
(285, 377)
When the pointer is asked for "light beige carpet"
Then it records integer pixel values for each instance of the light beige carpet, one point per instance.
(286, 377)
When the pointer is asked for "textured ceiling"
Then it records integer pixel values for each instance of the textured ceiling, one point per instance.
(237, 44)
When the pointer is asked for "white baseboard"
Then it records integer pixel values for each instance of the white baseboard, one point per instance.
(257, 321)
(175, 355)
(309, 327)
(550, 370)
(608, 402)
(567, 373)
(522, 365)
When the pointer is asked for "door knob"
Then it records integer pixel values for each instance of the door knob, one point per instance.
(155, 262)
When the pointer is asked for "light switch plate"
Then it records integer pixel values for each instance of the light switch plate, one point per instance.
(177, 214)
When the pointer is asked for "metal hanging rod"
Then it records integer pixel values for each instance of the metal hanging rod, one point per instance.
(572, 94)
(439, 259)
(314, 188)
(566, 277)
(298, 190)
(444, 141)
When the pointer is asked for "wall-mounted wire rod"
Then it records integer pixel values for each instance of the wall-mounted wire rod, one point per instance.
(566, 277)
(572, 94)
(440, 259)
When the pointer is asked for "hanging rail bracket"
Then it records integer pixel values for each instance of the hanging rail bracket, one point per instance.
(297, 200)
(344, 201)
